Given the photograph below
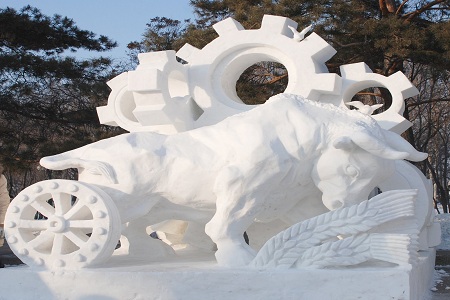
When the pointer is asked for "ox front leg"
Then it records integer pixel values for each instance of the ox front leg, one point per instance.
(235, 212)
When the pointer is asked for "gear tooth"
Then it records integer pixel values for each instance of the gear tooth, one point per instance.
(227, 27)
(156, 59)
(392, 122)
(181, 113)
(195, 110)
(354, 71)
(403, 83)
(145, 80)
(118, 81)
(278, 25)
(106, 116)
(161, 116)
(187, 52)
(152, 114)
(317, 48)
(326, 83)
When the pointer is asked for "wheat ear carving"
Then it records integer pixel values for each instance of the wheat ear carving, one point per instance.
(394, 248)
(287, 247)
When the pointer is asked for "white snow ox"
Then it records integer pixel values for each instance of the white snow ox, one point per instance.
(272, 162)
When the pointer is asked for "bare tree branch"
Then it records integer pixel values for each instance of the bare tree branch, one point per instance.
(400, 7)
(413, 14)
(386, 6)
(427, 102)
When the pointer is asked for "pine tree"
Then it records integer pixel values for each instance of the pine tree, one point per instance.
(47, 97)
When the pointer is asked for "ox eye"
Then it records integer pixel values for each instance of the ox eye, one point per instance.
(351, 171)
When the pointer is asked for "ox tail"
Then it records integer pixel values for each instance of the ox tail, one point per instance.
(64, 161)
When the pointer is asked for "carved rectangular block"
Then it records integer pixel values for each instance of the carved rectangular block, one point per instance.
(203, 280)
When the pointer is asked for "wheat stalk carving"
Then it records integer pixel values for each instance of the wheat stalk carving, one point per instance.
(318, 235)
(394, 248)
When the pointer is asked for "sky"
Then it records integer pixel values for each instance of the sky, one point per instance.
(121, 20)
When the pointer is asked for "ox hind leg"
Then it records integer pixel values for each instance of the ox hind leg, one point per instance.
(137, 243)
(193, 234)
(135, 240)
(236, 209)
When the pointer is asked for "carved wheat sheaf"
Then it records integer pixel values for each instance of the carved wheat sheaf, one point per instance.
(394, 248)
(314, 242)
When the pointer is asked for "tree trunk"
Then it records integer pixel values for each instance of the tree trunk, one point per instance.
(387, 7)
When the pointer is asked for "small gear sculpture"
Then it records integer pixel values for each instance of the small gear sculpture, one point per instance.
(154, 97)
(166, 96)
(356, 77)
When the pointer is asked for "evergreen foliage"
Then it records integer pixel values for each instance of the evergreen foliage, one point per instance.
(48, 98)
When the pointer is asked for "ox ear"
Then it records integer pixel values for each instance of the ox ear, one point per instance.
(344, 143)
(397, 142)
(375, 146)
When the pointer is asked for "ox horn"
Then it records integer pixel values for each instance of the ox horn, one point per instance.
(397, 142)
(369, 143)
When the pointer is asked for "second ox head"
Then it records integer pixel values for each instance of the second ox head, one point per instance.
(349, 169)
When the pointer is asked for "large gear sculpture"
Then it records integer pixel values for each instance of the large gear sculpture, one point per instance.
(215, 69)
(166, 96)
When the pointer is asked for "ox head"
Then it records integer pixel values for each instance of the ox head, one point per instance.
(352, 166)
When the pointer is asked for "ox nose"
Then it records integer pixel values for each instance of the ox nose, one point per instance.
(337, 204)
(332, 204)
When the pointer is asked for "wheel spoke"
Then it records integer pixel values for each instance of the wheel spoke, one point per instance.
(44, 237)
(80, 224)
(33, 224)
(79, 205)
(58, 244)
(44, 208)
(77, 237)
(62, 203)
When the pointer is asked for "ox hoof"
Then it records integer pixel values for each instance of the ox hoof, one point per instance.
(233, 255)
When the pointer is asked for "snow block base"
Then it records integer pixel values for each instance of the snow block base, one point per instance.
(203, 279)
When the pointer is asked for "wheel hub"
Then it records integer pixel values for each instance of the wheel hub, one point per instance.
(57, 224)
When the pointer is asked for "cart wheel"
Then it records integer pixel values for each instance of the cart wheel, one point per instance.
(65, 224)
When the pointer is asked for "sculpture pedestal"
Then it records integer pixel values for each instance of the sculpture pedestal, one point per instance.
(186, 279)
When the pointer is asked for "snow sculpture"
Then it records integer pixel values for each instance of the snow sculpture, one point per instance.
(310, 243)
(158, 77)
(356, 77)
(302, 164)
(60, 241)
(303, 159)
(204, 90)
(212, 72)
(268, 163)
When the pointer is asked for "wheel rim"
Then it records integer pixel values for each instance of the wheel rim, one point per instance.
(62, 224)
